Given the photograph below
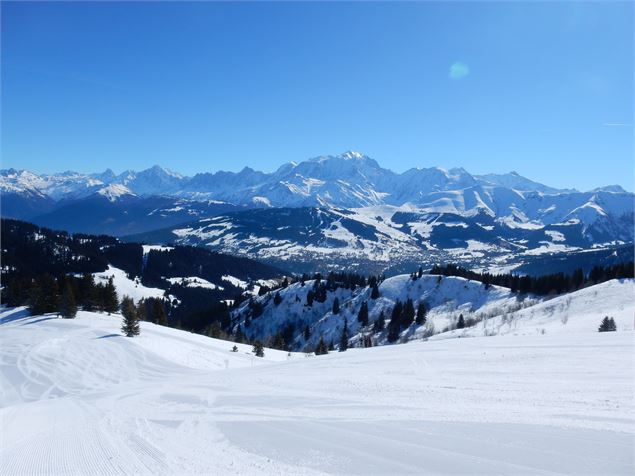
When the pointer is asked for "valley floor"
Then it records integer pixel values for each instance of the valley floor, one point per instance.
(78, 398)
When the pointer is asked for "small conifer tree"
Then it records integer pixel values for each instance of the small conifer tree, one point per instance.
(258, 349)
(68, 305)
(461, 322)
(130, 326)
(158, 313)
(374, 293)
(321, 347)
(110, 300)
(380, 323)
(362, 316)
(336, 306)
(344, 337)
(421, 314)
(408, 313)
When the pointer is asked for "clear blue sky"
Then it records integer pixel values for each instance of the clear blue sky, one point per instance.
(543, 88)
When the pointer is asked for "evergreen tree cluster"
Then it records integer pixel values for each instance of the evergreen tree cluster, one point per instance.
(607, 325)
(334, 281)
(37, 260)
(557, 283)
(403, 316)
(30, 251)
(63, 295)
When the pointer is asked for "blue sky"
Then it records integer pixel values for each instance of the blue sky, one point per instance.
(545, 89)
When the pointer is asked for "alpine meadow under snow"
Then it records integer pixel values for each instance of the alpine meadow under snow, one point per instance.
(544, 393)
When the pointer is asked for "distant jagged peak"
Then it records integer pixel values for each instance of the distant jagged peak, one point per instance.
(161, 171)
(352, 155)
(610, 188)
(115, 191)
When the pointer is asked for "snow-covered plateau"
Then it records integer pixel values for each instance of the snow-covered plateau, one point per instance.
(76, 397)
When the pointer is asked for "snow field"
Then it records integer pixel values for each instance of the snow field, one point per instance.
(78, 398)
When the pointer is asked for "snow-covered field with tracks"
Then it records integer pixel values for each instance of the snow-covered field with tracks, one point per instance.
(78, 398)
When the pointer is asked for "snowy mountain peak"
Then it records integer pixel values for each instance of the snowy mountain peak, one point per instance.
(610, 188)
(114, 192)
(351, 155)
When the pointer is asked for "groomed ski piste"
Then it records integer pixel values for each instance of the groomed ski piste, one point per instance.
(77, 397)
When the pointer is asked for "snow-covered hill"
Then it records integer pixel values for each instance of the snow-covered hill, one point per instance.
(78, 398)
(494, 309)
(577, 312)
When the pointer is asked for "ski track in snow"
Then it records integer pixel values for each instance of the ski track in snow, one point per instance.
(78, 398)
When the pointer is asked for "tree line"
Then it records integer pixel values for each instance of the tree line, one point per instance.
(556, 283)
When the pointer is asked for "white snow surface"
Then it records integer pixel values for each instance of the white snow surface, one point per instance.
(194, 282)
(78, 398)
(576, 312)
(126, 286)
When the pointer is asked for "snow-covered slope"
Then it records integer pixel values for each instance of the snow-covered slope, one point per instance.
(126, 286)
(78, 398)
(495, 310)
(576, 312)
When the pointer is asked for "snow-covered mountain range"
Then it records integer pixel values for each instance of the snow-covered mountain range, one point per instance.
(330, 208)
(347, 180)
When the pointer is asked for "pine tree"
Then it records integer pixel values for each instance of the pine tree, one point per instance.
(141, 310)
(408, 314)
(336, 306)
(394, 326)
(307, 333)
(279, 342)
(362, 315)
(421, 314)
(158, 312)
(344, 337)
(374, 294)
(277, 299)
(608, 325)
(258, 349)
(321, 347)
(68, 305)
(110, 300)
(461, 323)
(130, 326)
(380, 323)
(88, 292)
(44, 295)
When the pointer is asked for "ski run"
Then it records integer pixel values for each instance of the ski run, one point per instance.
(79, 398)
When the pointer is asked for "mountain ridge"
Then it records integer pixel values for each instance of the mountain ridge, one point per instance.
(356, 167)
